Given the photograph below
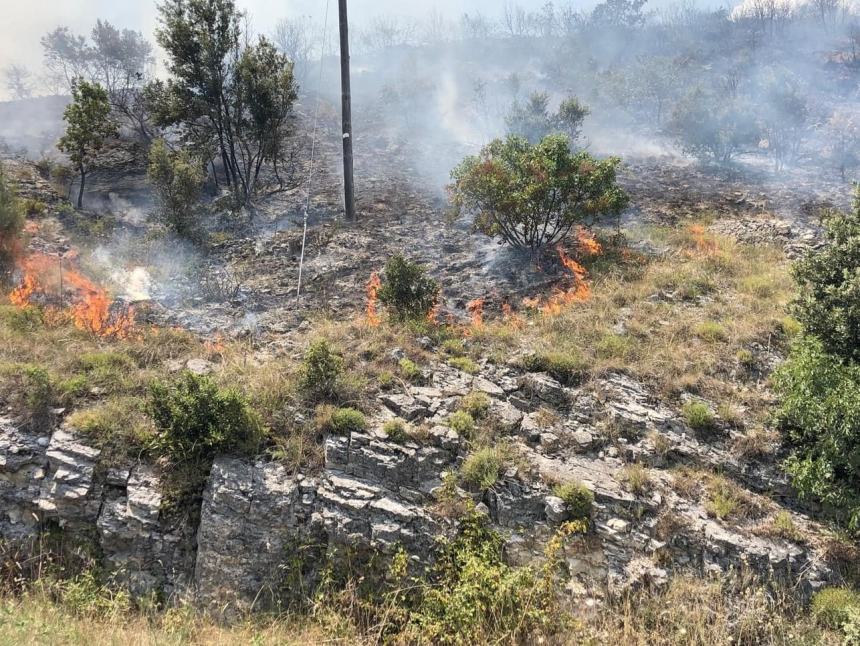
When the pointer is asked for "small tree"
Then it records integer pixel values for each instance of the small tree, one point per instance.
(18, 81)
(11, 222)
(829, 302)
(531, 196)
(88, 125)
(533, 120)
(842, 131)
(406, 289)
(177, 180)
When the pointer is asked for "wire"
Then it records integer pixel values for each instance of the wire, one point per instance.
(313, 154)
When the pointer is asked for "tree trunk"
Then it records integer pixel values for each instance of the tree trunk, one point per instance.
(81, 189)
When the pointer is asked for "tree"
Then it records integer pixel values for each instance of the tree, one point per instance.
(18, 81)
(88, 126)
(177, 180)
(828, 305)
(533, 121)
(293, 39)
(119, 60)
(784, 116)
(626, 14)
(406, 289)
(222, 94)
(532, 195)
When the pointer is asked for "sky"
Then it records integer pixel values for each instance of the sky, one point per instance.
(25, 21)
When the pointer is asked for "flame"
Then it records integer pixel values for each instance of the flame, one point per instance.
(587, 242)
(579, 291)
(476, 311)
(511, 317)
(92, 310)
(372, 291)
(433, 314)
(704, 244)
(215, 346)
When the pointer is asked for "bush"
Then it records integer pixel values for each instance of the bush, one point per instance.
(462, 423)
(396, 430)
(533, 121)
(410, 370)
(482, 468)
(532, 195)
(177, 180)
(698, 416)
(196, 420)
(321, 371)
(819, 413)
(476, 404)
(11, 223)
(118, 426)
(578, 498)
(567, 367)
(340, 421)
(711, 331)
(406, 290)
(464, 364)
(832, 607)
(828, 306)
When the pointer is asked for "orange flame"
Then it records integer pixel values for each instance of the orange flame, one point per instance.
(704, 245)
(372, 291)
(92, 310)
(433, 314)
(578, 292)
(587, 242)
(476, 311)
(511, 317)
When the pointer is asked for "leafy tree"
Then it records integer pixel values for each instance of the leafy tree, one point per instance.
(118, 60)
(88, 125)
(223, 95)
(533, 120)
(407, 290)
(829, 302)
(626, 14)
(842, 131)
(18, 82)
(11, 222)
(713, 128)
(784, 116)
(177, 179)
(532, 195)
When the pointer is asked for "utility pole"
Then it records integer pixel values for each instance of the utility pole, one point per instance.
(346, 106)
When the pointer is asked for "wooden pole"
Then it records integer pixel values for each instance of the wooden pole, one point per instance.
(346, 105)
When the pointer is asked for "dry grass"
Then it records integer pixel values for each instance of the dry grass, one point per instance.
(687, 314)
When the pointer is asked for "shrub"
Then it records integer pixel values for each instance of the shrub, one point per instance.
(828, 279)
(566, 366)
(340, 421)
(396, 430)
(711, 331)
(476, 404)
(196, 420)
(406, 290)
(832, 607)
(532, 195)
(465, 364)
(533, 121)
(118, 425)
(321, 371)
(410, 370)
(745, 358)
(614, 346)
(11, 222)
(782, 525)
(454, 347)
(819, 413)
(578, 498)
(637, 479)
(462, 423)
(698, 416)
(177, 180)
(482, 468)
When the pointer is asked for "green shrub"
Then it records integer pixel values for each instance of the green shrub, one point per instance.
(637, 479)
(819, 414)
(711, 331)
(340, 421)
(832, 607)
(321, 371)
(614, 346)
(117, 425)
(396, 430)
(454, 347)
(476, 404)
(410, 370)
(578, 498)
(698, 416)
(828, 306)
(406, 291)
(482, 468)
(566, 366)
(11, 222)
(782, 525)
(464, 364)
(462, 423)
(196, 420)
(746, 359)
(21, 319)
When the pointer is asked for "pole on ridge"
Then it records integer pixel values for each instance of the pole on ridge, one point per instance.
(346, 105)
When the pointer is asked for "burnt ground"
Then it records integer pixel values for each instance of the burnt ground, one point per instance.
(246, 283)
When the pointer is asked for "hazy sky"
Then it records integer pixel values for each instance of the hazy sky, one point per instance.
(25, 21)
